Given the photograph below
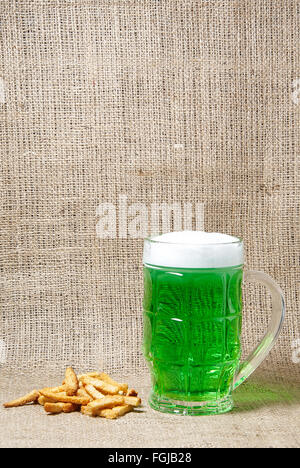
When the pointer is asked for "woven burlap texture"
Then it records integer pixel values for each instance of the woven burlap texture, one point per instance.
(171, 101)
(266, 414)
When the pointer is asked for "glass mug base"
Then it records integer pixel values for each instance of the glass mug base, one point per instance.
(190, 408)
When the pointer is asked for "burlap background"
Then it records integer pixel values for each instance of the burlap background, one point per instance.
(172, 100)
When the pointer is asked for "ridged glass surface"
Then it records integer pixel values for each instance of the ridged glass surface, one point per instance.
(192, 325)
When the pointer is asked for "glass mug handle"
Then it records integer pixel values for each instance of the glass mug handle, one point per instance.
(268, 341)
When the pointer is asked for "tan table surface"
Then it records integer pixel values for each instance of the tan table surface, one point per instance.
(266, 414)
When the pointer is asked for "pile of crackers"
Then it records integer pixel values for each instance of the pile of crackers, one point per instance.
(94, 394)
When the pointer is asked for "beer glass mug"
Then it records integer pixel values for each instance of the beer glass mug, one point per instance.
(192, 321)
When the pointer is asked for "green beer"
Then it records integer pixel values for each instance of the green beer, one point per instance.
(192, 326)
(193, 319)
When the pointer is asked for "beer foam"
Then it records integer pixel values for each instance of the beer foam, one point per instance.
(193, 249)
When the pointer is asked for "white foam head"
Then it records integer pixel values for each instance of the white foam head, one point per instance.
(193, 249)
